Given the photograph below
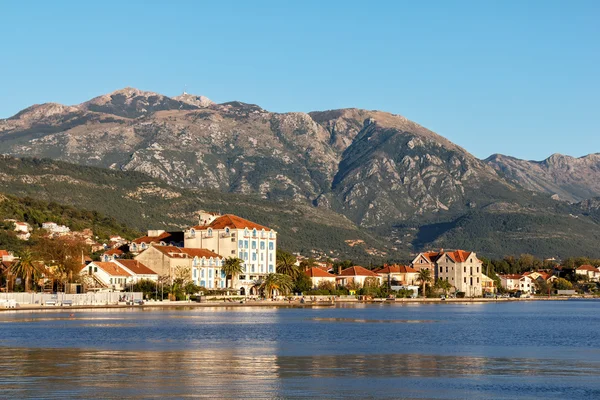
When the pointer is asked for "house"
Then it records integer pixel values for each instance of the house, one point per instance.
(398, 275)
(6, 255)
(356, 276)
(527, 284)
(317, 275)
(55, 229)
(461, 268)
(116, 275)
(232, 236)
(106, 275)
(510, 281)
(112, 254)
(23, 230)
(201, 266)
(488, 285)
(590, 271)
(156, 236)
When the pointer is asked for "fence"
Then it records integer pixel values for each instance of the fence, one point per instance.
(75, 299)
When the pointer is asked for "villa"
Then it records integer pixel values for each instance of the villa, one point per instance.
(356, 275)
(116, 275)
(590, 271)
(317, 275)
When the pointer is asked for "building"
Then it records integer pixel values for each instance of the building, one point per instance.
(6, 255)
(156, 236)
(488, 285)
(232, 236)
(590, 271)
(317, 275)
(55, 229)
(510, 282)
(356, 276)
(461, 268)
(112, 254)
(116, 275)
(398, 275)
(201, 266)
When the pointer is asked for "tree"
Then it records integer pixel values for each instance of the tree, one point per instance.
(444, 285)
(63, 256)
(424, 277)
(280, 282)
(302, 284)
(25, 268)
(286, 264)
(146, 286)
(326, 285)
(232, 266)
(563, 284)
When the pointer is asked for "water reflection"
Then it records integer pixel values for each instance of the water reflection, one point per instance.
(255, 373)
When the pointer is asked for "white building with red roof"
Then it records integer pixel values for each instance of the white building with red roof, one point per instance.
(232, 236)
(461, 268)
(398, 275)
(203, 266)
(318, 275)
(116, 275)
(590, 271)
(356, 275)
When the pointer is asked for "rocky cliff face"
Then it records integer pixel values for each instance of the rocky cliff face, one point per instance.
(566, 178)
(374, 167)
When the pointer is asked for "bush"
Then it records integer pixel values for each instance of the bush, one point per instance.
(460, 295)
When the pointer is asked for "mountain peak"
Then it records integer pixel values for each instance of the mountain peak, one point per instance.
(195, 100)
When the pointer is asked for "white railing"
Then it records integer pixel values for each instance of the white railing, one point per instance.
(76, 299)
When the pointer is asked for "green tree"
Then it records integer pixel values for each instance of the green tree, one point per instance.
(563, 284)
(326, 285)
(146, 286)
(232, 267)
(424, 277)
(302, 284)
(280, 282)
(25, 268)
(286, 264)
(443, 285)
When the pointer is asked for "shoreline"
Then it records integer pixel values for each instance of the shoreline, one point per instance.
(280, 304)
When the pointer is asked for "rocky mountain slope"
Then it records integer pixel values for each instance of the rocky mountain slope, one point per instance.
(371, 166)
(564, 177)
(410, 187)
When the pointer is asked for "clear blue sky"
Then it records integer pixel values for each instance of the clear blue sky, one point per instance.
(513, 77)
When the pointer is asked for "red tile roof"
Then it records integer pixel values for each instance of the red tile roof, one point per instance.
(358, 271)
(588, 268)
(511, 276)
(184, 252)
(459, 255)
(114, 251)
(318, 273)
(111, 268)
(163, 237)
(233, 222)
(395, 269)
(136, 267)
(4, 253)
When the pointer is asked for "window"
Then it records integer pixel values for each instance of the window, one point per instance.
(203, 283)
(241, 244)
(441, 269)
(465, 278)
(446, 269)
(202, 274)
(192, 232)
(227, 231)
(446, 278)
(271, 235)
(477, 269)
(478, 281)
(246, 232)
(209, 232)
(254, 245)
(110, 281)
(262, 257)
(203, 262)
(252, 268)
(232, 251)
(271, 245)
(195, 273)
(262, 245)
(210, 273)
(95, 269)
(245, 244)
(254, 232)
(253, 256)
(143, 246)
(241, 254)
(465, 270)
(233, 239)
(270, 256)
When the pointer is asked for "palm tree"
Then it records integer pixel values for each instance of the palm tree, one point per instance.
(24, 268)
(281, 282)
(258, 285)
(286, 264)
(424, 277)
(232, 266)
(444, 285)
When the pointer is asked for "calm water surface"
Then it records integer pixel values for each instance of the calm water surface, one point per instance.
(525, 350)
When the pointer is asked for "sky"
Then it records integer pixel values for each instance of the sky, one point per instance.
(519, 78)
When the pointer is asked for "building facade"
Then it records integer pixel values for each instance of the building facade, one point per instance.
(231, 236)
(461, 268)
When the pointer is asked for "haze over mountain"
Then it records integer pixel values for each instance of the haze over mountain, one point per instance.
(380, 170)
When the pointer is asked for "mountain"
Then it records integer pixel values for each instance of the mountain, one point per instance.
(566, 178)
(377, 174)
(144, 203)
